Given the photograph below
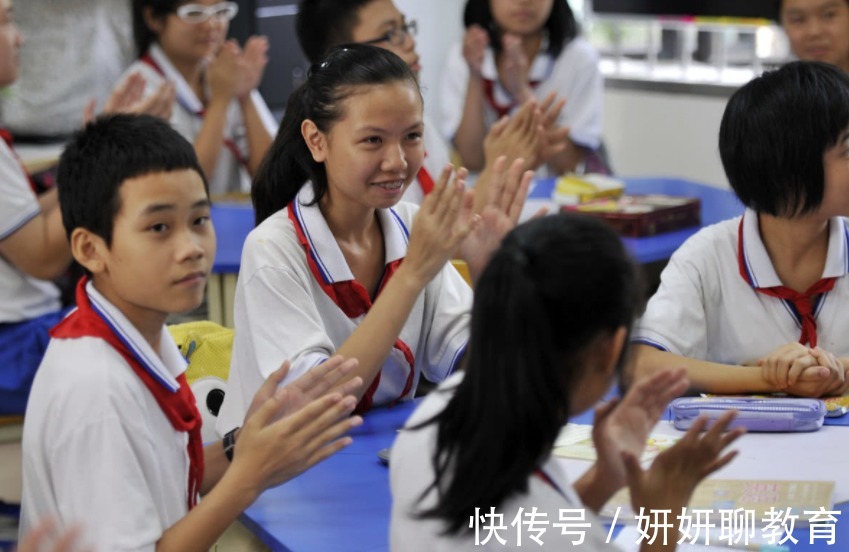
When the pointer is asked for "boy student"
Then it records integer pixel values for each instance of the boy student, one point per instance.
(530, 134)
(758, 303)
(112, 436)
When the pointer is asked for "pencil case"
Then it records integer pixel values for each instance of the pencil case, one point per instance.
(755, 414)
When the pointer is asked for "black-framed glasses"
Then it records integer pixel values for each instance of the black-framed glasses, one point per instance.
(396, 37)
(197, 13)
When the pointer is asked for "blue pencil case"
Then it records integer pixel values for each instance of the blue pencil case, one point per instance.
(755, 414)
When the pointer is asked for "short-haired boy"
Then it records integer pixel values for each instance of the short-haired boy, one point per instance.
(112, 434)
(758, 303)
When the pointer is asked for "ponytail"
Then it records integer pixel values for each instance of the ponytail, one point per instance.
(555, 285)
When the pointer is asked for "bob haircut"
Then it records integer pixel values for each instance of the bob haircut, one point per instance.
(323, 24)
(288, 165)
(775, 131)
(105, 154)
(555, 285)
(561, 25)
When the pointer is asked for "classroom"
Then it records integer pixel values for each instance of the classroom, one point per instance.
(361, 275)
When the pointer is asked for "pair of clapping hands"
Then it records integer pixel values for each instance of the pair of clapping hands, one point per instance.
(532, 132)
(232, 72)
(620, 432)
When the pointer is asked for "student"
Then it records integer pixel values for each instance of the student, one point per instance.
(758, 303)
(547, 342)
(323, 24)
(33, 251)
(512, 52)
(818, 30)
(218, 107)
(112, 437)
(336, 264)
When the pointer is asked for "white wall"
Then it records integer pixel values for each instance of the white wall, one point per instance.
(657, 134)
(440, 24)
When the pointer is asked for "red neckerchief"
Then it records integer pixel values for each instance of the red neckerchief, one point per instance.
(500, 109)
(353, 299)
(7, 137)
(802, 304)
(179, 407)
(548, 480)
(228, 143)
(425, 180)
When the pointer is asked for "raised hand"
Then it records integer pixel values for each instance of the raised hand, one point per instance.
(316, 382)
(129, 97)
(521, 135)
(675, 473)
(273, 448)
(475, 41)
(623, 426)
(513, 67)
(443, 221)
(222, 72)
(505, 192)
(555, 139)
(251, 65)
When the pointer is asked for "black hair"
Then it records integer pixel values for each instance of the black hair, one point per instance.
(106, 153)
(561, 25)
(323, 24)
(775, 131)
(288, 165)
(142, 34)
(555, 285)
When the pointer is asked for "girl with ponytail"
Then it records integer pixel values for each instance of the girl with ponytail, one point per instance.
(337, 263)
(551, 316)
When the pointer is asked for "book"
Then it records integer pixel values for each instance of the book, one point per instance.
(576, 441)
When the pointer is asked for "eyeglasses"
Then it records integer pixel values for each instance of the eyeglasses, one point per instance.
(197, 13)
(396, 37)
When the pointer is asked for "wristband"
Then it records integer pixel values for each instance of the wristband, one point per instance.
(229, 443)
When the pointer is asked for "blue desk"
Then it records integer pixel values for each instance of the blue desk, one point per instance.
(344, 503)
(717, 205)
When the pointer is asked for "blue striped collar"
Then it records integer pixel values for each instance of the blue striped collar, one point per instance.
(186, 96)
(165, 368)
(323, 247)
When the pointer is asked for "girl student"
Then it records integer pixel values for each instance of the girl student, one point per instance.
(336, 263)
(217, 108)
(515, 50)
(547, 342)
(818, 30)
(757, 303)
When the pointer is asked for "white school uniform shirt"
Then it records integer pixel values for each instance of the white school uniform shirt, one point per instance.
(97, 448)
(704, 309)
(230, 175)
(573, 75)
(283, 311)
(437, 156)
(22, 297)
(411, 473)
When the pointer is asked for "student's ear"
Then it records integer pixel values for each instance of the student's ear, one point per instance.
(154, 22)
(315, 139)
(89, 250)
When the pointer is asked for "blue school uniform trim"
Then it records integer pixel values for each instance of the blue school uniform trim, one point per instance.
(165, 380)
(458, 357)
(650, 343)
(28, 217)
(325, 274)
(401, 225)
